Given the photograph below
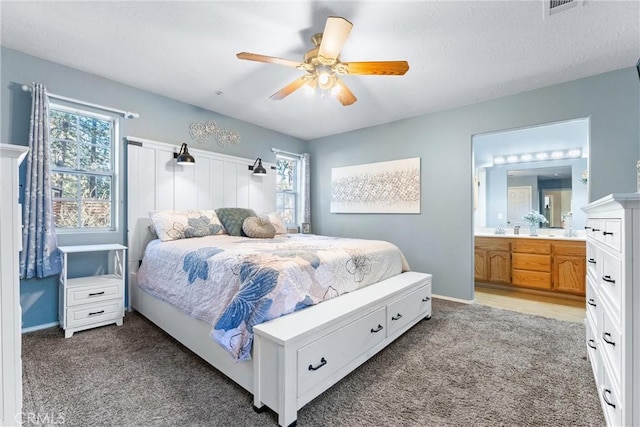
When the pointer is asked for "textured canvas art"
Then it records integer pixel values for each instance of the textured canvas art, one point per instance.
(384, 187)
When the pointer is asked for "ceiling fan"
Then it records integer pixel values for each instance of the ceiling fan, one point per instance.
(323, 65)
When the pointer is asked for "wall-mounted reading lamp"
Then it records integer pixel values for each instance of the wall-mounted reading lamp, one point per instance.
(259, 169)
(183, 157)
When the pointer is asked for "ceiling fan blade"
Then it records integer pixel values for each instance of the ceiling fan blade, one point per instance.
(336, 31)
(381, 68)
(269, 59)
(290, 88)
(343, 93)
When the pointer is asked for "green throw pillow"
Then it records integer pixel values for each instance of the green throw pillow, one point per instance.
(232, 219)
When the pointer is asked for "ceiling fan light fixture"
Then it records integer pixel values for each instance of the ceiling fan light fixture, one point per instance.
(325, 77)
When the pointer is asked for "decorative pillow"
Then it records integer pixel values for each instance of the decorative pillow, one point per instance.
(232, 219)
(258, 226)
(174, 225)
(276, 219)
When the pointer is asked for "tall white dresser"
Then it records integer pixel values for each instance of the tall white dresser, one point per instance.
(10, 316)
(613, 304)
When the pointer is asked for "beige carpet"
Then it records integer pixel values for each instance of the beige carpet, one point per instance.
(468, 365)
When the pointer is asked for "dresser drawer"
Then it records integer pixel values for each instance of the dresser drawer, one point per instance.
(611, 281)
(592, 299)
(610, 399)
(401, 312)
(593, 349)
(611, 233)
(611, 345)
(592, 260)
(320, 359)
(93, 293)
(94, 313)
(569, 248)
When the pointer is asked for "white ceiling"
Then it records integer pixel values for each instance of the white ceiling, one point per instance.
(459, 52)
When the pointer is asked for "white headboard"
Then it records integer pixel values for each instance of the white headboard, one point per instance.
(157, 182)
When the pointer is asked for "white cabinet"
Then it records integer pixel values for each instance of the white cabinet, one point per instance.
(10, 314)
(613, 304)
(298, 356)
(91, 301)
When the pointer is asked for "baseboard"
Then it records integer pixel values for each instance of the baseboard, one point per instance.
(463, 301)
(39, 327)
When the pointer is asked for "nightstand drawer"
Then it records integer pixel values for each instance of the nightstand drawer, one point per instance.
(93, 293)
(95, 313)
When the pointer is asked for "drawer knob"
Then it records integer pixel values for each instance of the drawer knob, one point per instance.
(592, 344)
(94, 313)
(397, 317)
(323, 362)
(591, 261)
(591, 302)
(606, 337)
(378, 329)
(94, 294)
(425, 299)
(610, 233)
(608, 278)
(606, 392)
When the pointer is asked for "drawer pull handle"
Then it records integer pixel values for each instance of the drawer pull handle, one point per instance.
(606, 335)
(323, 362)
(591, 261)
(595, 229)
(606, 392)
(398, 317)
(608, 278)
(94, 294)
(592, 344)
(93, 313)
(610, 233)
(425, 299)
(587, 228)
(591, 302)
(378, 329)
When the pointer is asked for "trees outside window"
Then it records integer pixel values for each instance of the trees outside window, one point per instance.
(82, 168)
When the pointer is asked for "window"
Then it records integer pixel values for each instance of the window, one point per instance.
(82, 169)
(287, 187)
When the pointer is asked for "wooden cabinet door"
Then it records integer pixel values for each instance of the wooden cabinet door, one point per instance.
(569, 274)
(499, 267)
(480, 264)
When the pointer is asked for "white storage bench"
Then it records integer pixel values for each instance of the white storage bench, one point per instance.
(298, 356)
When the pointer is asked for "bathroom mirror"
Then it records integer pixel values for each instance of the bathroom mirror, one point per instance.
(547, 190)
(550, 159)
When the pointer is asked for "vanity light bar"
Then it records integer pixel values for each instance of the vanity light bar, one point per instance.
(543, 155)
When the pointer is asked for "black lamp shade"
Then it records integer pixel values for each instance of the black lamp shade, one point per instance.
(257, 167)
(183, 157)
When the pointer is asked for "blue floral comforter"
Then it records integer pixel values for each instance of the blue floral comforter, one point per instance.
(234, 283)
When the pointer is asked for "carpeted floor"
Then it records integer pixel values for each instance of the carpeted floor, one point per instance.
(468, 365)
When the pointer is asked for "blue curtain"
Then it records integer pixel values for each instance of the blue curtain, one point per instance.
(39, 256)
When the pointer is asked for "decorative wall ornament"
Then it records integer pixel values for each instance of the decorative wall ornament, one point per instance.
(200, 132)
(384, 187)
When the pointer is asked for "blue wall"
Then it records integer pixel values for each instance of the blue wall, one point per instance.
(161, 119)
(440, 239)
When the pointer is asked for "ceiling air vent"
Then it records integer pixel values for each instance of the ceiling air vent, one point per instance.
(551, 7)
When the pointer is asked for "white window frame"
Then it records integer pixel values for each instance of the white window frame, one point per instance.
(297, 184)
(115, 173)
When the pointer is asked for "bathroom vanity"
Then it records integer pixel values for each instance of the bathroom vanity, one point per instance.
(551, 264)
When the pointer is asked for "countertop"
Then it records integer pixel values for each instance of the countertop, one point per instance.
(525, 235)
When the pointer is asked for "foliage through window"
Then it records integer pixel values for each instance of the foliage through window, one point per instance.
(82, 169)
(287, 188)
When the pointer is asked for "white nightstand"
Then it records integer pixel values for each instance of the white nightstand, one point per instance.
(91, 301)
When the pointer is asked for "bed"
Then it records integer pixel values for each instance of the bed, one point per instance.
(322, 318)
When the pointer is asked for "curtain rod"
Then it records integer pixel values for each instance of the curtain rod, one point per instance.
(125, 114)
(276, 151)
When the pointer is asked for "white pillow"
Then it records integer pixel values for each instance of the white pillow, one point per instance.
(174, 225)
(276, 219)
